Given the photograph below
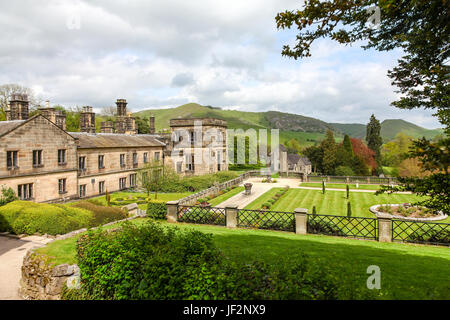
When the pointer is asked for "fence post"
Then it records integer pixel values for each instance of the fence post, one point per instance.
(172, 211)
(231, 212)
(384, 228)
(301, 220)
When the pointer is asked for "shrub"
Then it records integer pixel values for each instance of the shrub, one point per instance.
(344, 171)
(266, 205)
(427, 234)
(101, 214)
(28, 217)
(349, 209)
(154, 262)
(156, 210)
(324, 227)
(8, 195)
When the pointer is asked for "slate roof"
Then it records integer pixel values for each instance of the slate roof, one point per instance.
(294, 158)
(7, 126)
(115, 140)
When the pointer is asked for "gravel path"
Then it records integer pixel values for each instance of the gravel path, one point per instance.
(12, 251)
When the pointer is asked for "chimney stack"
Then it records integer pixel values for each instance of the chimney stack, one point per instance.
(121, 107)
(87, 120)
(18, 107)
(152, 124)
(54, 115)
(107, 127)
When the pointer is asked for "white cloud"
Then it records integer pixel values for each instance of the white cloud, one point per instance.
(165, 53)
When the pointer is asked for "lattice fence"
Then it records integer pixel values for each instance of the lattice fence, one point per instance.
(262, 219)
(355, 227)
(202, 215)
(421, 232)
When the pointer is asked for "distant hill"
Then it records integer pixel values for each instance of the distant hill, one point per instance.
(389, 129)
(306, 130)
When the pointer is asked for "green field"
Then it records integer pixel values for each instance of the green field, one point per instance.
(341, 186)
(407, 271)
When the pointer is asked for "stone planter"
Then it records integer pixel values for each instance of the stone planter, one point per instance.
(374, 209)
(248, 188)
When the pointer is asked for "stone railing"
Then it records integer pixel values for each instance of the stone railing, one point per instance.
(192, 199)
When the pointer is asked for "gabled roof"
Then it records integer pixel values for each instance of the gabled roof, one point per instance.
(115, 140)
(293, 158)
(9, 126)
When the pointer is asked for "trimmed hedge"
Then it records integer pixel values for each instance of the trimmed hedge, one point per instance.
(25, 217)
(101, 214)
(157, 210)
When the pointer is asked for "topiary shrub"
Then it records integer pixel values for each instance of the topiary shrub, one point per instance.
(157, 210)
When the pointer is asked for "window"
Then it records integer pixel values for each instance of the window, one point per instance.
(101, 161)
(82, 163)
(11, 159)
(133, 180)
(61, 156)
(190, 162)
(62, 186)
(179, 164)
(37, 158)
(82, 191)
(122, 160)
(156, 156)
(122, 183)
(25, 191)
(101, 187)
(135, 159)
(145, 157)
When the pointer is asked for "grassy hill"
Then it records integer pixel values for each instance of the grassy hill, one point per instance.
(306, 130)
(389, 129)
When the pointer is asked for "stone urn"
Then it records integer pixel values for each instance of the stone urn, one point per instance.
(248, 188)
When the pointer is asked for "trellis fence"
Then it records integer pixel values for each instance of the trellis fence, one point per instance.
(381, 229)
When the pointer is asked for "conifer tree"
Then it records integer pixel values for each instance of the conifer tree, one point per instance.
(373, 138)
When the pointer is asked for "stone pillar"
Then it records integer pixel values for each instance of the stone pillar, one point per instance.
(384, 228)
(231, 213)
(172, 211)
(301, 220)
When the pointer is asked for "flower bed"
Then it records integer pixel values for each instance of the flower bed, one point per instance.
(406, 211)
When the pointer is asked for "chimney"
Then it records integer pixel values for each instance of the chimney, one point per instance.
(18, 107)
(87, 120)
(107, 127)
(121, 107)
(152, 124)
(54, 115)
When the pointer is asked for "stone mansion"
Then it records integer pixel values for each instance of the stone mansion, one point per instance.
(43, 162)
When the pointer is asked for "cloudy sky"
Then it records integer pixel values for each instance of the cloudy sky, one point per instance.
(164, 53)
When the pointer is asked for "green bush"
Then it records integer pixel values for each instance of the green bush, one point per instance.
(8, 195)
(101, 214)
(155, 262)
(28, 217)
(344, 171)
(156, 210)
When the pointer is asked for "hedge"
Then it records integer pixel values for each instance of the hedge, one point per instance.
(150, 261)
(101, 214)
(25, 217)
(156, 210)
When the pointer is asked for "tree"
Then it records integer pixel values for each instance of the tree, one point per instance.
(418, 27)
(142, 125)
(315, 155)
(293, 146)
(365, 154)
(8, 195)
(344, 171)
(373, 138)
(154, 175)
(329, 153)
(395, 151)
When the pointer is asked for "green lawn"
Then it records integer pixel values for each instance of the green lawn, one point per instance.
(407, 271)
(218, 200)
(341, 185)
(332, 202)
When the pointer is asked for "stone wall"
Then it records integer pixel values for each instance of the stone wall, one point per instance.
(42, 280)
